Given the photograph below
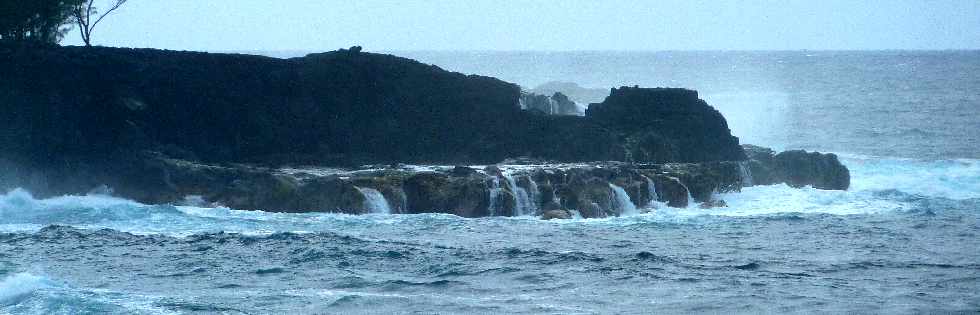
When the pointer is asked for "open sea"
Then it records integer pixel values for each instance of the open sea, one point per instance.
(904, 239)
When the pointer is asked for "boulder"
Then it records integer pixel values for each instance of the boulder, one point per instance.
(557, 214)
(556, 104)
(822, 171)
(714, 203)
(426, 192)
(434, 192)
(797, 168)
(329, 194)
(703, 180)
(670, 190)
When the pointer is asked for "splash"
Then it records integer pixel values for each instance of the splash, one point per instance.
(875, 183)
(954, 179)
(652, 191)
(17, 287)
(524, 205)
(623, 202)
(375, 201)
(745, 174)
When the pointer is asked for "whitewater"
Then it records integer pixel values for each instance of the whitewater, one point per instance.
(774, 248)
(903, 239)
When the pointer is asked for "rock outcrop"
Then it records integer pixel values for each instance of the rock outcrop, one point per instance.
(69, 107)
(796, 168)
(592, 189)
(667, 125)
(162, 126)
(556, 104)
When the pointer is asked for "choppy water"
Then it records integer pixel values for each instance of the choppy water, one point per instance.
(904, 239)
(888, 245)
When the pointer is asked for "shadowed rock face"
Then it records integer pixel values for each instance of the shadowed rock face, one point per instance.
(160, 125)
(556, 104)
(797, 168)
(458, 190)
(61, 104)
(667, 125)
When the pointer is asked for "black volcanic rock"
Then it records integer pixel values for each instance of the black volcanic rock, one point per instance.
(822, 171)
(157, 126)
(667, 125)
(337, 108)
(556, 104)
(797, 168)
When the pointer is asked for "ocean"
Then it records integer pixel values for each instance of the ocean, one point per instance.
(904, 239)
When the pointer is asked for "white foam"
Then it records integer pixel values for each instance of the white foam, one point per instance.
(376, 202)
(622, 201)
(954, 179)
(16, 287)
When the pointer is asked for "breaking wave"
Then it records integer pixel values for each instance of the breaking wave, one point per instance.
(879, 185)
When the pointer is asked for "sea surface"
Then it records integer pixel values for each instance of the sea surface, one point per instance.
(904, 239)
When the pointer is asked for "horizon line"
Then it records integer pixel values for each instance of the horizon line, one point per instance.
(605, 50)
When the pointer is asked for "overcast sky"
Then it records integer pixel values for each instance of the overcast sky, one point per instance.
(559, 25)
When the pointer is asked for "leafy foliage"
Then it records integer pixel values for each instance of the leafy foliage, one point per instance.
(35, 20)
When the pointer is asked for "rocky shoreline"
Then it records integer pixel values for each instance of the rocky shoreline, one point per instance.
(170, 127)
(558, 190)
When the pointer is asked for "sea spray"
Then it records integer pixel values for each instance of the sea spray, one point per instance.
(494, 195)
(534, 195)
(18, 286)
(652, 191)
(522, 200)
(690, 199)
(403, 201)
(375, 201)
(873, 190)
(622, 201)
(745, 174)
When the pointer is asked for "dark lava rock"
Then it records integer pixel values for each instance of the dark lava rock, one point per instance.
(77, 117)
(718, 203)
(463, 171)
(667, 125)
(670, 190)
(556, 214)
(439, 193)
(822, 171)
(797, 168)
(556, 104)
(157, 126)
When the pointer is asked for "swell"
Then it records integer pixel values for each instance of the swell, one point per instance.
(879, 185)
(28, 293)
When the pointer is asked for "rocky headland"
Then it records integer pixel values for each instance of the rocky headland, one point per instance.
(295, 135)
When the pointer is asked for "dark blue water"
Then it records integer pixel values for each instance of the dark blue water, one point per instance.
(904, 239)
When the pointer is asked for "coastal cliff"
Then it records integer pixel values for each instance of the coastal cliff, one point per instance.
(158, 126)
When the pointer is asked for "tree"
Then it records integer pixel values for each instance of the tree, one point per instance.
(85, 11)
(35, 20)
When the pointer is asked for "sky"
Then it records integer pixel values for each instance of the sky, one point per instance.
(553, 25)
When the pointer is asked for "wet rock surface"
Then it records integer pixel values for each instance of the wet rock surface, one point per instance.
(595, 190)
(797, 168)
(161, 126)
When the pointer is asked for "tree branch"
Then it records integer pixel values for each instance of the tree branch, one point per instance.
(114, 7)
